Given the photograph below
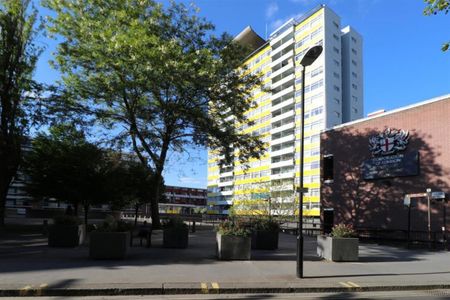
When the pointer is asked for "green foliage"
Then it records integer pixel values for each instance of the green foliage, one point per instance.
(200, 210)
(66, 220)
(110, 224)
(156, 72)
(176, 223)
(236, 227)
(433, 8)
(65, 166)
(18, 92)
(265, 224)
(342, 230)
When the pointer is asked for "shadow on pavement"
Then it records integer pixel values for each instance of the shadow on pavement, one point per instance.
(380, 274)
(22, 252)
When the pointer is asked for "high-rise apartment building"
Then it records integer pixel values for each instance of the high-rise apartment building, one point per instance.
(333, 95)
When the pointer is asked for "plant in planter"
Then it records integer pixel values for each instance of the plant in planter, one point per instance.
(265, 234)
(66, 231)
(233, 240)
(175, 234)
(111, 240)
(342, 245)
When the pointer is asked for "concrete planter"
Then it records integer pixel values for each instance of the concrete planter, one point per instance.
(337, 249)
(176, 237)
(66, 235)
(108, 245)
(265, 240)
(230, 247)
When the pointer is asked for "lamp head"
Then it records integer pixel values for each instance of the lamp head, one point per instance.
(311, 55)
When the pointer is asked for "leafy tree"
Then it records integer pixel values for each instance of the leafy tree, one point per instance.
(64, 166)
(18, 56)
(434, 7)
(157, 77)
(128, 182)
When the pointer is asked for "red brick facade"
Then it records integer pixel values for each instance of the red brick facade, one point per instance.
(379, 203)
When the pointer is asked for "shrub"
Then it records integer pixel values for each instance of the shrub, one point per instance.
(66, 220)
(176, 223)
(112, 225)
(342, 230)
(233, 227)
(265, 224)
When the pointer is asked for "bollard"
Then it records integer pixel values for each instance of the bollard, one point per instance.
(193, 226)
(45, 227)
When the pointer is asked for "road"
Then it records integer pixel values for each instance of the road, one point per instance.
(399, 295)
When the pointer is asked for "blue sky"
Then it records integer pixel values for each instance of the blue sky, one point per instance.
(403, 63)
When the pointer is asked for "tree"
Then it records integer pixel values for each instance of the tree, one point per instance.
(64, 166)
(18, 56)
(434, 7)
(157, 76)
(128, 182)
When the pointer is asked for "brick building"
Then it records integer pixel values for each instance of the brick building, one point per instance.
(369, 165)
(183, 200)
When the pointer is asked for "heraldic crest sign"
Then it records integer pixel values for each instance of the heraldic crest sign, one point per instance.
(388, 142)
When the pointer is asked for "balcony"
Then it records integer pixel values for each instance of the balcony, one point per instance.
(282, 151)
(288, 67)
(283, 81)
(226, 183)
(283, 127)
(283, 92)
(284, 139)
(284, 163)
(282, 58)
(283, 116)
(282, 176)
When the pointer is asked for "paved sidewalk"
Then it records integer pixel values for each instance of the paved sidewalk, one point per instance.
(29, 267)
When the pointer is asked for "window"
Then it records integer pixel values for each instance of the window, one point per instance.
(336, 24)
(315, 20)
(316, 111)
(337, 101)
(303, 41)
(336, 75)
(317, 71)
(336, 63)
(335, 37)
(338, 114)
(316, 85)
(316, 32)
(328, 167)
(354, 86)
(336, 50)
(355, 110)
(355, 99)
(354, 51)
(353, 40)
(354, 62)
(336, 88)
(354, 75)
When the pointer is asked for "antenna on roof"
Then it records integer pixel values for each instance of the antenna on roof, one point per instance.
(266, 33)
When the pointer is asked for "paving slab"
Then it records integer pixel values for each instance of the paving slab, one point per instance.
(28, 266)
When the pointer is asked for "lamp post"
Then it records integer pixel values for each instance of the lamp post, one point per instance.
(311, 55)
(429, 216)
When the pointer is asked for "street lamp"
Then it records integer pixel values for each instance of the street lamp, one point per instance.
(311, 55)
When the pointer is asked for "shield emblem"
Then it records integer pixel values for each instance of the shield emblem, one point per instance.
(386, 144)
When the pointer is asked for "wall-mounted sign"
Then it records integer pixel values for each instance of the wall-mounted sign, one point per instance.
(403, 164)
(388, 142)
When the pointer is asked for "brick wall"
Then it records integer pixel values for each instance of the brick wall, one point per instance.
(379, 203)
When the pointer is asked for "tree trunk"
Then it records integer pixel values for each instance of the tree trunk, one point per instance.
(6, 178)
(154, 202)
(3, 193)
(75, 209)
(136, 211)
(86, 210)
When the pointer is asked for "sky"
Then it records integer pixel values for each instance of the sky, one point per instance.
(403, 63)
